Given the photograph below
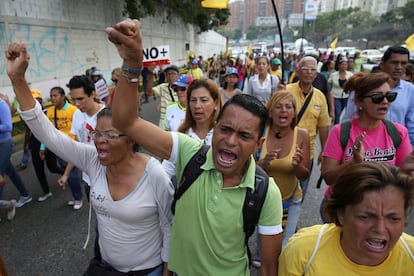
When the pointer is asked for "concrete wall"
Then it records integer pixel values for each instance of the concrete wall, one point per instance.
(66, 37)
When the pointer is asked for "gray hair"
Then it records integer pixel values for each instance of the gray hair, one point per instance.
(307, 58)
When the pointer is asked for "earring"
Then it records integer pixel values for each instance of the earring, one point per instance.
(215, 108)
(360, 108)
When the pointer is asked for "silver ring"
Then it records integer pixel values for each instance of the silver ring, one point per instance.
(355, 147)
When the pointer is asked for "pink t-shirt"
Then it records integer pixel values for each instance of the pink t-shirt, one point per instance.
(377, 144)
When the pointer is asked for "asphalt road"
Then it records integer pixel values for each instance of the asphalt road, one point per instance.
(47, 238)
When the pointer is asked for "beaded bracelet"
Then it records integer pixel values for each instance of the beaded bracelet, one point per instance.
(134, 79)
(135, 71)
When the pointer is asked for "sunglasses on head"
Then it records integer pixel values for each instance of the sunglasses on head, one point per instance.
(379, 97)
(179, 88)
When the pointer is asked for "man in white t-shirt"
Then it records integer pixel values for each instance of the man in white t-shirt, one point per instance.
(82, 92)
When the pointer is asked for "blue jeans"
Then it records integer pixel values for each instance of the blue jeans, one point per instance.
(6, 167)
(305, 183)
(292, 220)
(340, 105)
(73, 180)
(26, 156)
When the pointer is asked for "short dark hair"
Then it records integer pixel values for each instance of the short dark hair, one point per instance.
(59, 90)
(394, 50)
(357, 179)
(251, 104)
(82, 82)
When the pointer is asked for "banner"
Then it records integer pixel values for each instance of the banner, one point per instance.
(160, 55)
(311, 10)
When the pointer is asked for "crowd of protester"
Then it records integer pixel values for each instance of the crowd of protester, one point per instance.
(253, 113)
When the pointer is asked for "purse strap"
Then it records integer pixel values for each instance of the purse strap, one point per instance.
(305, 105)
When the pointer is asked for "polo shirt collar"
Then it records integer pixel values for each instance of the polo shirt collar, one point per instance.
(248, 178)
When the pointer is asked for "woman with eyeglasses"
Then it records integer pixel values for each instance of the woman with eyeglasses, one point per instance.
(130, 193)
(175, 112)
(370, 137)
(175, 115)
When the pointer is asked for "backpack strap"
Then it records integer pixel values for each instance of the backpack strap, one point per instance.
(191, 171)
(253, 201)
(344, 133)
(315, 249)
(253, 204)
(393, 132)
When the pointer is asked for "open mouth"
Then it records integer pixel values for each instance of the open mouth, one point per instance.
(102, 154)
(227, 158)
(283, 119)
(376, 244)
(383, 109)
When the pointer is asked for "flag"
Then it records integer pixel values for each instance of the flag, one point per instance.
(215, 4)
(250, 50)
(227, 54)
(333, 44)
(409, 42)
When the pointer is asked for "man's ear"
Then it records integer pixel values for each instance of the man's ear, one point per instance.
(259, 143)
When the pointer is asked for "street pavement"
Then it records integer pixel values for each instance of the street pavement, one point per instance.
(47, 238)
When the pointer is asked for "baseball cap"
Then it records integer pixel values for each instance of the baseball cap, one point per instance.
(344, 59)
(172, 67)
(276, 61)
(194, 61)
(183, 81)
(232, 70)
(96, 73)
(36, 93)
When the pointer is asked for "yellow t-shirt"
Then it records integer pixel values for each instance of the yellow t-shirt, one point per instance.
(277, 72)
(196, 73)
(330, 259)
(316, 114)
(64, 118)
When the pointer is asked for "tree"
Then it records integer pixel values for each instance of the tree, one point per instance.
(190, 11)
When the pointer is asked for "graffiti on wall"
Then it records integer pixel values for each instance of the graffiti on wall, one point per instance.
(53, 51)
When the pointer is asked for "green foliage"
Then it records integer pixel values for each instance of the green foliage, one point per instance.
(190, 11)
(251, 33)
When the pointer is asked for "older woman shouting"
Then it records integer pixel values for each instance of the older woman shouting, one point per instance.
(130, 193)
(368, 208)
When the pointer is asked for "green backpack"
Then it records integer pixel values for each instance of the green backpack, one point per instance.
(391, 129)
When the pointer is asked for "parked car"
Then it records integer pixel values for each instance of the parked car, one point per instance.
(371, 56)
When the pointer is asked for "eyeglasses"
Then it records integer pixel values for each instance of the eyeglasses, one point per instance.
(179, 88)
(110, 135)
(308, 69)
(378, 97)
(114, 81)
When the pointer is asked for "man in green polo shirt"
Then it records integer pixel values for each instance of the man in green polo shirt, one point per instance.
(207, 235)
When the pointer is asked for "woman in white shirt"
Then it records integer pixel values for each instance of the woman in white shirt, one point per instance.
(130, 193)
(263, 84)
